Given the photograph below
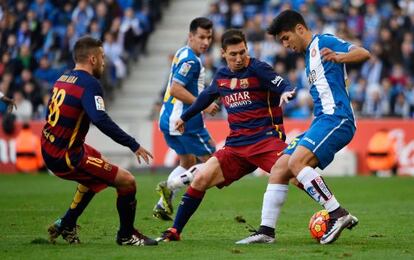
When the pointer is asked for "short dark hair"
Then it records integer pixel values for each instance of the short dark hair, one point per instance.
(286, 21)
(84, 47)
(201, 22)
(232, 36)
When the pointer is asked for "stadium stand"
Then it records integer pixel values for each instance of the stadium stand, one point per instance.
(37, 37)
(382, 87)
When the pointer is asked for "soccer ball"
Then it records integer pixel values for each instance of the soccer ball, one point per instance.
(318, 224)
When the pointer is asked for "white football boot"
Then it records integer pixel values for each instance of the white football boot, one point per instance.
(335, 227)
(256, 238)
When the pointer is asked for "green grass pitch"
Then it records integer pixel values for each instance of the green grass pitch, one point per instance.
(384, 206)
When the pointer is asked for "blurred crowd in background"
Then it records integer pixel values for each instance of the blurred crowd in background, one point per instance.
(381, 87)
(37, 37)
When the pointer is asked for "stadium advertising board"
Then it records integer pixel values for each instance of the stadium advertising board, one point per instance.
(400, 130)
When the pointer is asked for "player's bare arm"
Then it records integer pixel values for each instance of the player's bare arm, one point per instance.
(355, 55)
(181, 93)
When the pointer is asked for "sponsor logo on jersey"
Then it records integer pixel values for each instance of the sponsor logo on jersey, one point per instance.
(99, 102)
(233, 83)
(184, 69)
(238, 99)
(277, 81)
(309, 140)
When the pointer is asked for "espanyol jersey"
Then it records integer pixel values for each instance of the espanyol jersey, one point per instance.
(187, 70)
(251, 97)
(327, 79)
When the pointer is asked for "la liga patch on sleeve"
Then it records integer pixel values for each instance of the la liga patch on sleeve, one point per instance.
(99, 102)
(184, 69)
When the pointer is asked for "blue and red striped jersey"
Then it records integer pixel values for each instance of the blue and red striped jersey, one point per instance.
(251, 97)
(76, 100)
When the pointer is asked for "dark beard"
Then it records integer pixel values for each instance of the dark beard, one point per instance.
(97, 73)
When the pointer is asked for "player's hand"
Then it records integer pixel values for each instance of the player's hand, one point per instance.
(329, 55)
(179, 125)
(10, 103)
(212, 109)
(286, 96)
(144, 154)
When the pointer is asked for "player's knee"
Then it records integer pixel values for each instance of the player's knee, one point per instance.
(130, 181)
(201, 182)
(279, 175)
(295, 165)
(126, 182)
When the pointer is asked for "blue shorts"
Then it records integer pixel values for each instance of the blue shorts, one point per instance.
(199, 143)
(326, 136)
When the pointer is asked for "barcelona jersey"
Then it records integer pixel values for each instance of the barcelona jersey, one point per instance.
(76, 101)
(251, 97)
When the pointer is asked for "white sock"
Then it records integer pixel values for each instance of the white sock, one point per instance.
(184, 178)
(173, 175)
(273, 200)
(315, 186)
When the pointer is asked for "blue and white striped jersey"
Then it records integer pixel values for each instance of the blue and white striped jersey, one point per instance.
(187, 70)
(327, 79)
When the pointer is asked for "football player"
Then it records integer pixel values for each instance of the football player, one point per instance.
(252, 93)
(185, 82)
(332, 128)
(76, 101)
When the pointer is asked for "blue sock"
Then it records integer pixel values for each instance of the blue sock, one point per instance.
(189, 204)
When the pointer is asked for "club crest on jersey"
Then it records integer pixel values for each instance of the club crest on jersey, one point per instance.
(184, 69)
(244, 83)
(99, 102)
(233, 83)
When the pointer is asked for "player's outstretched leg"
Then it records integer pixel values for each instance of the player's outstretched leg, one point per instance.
(189, 204)
(66, 226)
